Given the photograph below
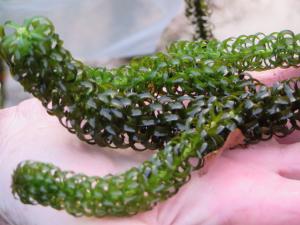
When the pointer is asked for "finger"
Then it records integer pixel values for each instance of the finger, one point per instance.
(269, 77)
(251, 181)
(290, 139)
(281, 159)
(289, 166)
(235, 189)
(265, 154)
(269, 201)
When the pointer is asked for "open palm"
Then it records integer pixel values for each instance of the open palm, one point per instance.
(257, 185)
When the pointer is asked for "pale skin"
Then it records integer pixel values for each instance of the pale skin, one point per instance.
(259, 184)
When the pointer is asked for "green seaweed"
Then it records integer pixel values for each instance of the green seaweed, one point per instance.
(199, 11)
(141, 105)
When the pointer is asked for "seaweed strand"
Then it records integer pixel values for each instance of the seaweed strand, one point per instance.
(144, 106)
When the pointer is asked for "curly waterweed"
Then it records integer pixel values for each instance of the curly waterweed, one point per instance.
(199, 11)
(141, 105)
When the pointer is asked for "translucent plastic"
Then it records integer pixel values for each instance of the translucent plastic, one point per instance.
(100, 29)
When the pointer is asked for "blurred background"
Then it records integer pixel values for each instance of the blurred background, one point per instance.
(109, 33)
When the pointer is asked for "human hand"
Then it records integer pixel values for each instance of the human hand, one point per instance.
(257, 185)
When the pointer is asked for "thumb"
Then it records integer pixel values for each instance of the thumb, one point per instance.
(270, 77)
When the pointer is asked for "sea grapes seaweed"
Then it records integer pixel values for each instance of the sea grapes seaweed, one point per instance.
(143, 103)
